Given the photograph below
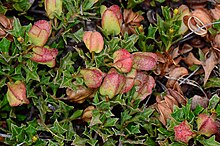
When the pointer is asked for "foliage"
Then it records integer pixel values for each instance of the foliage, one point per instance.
(70, 97)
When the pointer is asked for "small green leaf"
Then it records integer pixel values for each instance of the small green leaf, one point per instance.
(2, 82)
(210, 142)
(213, 101)
(79, 141)
(125, 117)
(76, 114)
(198, 110)
(57, 128)
(31, 131)
(31, 74)
(213, 83)
(95, 118)
(110, 122)
(218, 110)
(4, 45)
(133, 129)
(165, 132)
(3, 9)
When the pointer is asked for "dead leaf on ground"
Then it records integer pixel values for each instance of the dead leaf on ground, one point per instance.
(178, 96)
(198, 100)
(212, 59)
(191, 60)
(174, 75)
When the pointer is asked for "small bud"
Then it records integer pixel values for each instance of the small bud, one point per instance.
(93, 41)
(175, 11)
(183, 132)
(40, 32)
(16, 94)
(206, 125)
(112, 84)
(53, 8)
(122, 60)
(171, 30)
(20, 40)
(45, 56)
(92, 77)
(144, 60)
(87, 113)
(111, 20)
(34, 138)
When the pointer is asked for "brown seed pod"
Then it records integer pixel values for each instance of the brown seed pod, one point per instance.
(79, 95)
(87, 113)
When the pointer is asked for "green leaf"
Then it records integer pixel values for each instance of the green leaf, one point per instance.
(210, 142)
(31, 131)
(213, 83)
(125, 117)
(79, 141)
(165, 132)
(177, 144)
(198, 110)
(4, 45)
(151, 32)
(31, 74)
(2, 82)
(57, 128)
(213, 101)
(184, 113)
(76, 114)
(133, 129)
(52, 143)
(70, 132)
(3, 9)
(218, 110)
(22, 5)
(110, 122)
(95, 118)
(77, 36)
(16, 28)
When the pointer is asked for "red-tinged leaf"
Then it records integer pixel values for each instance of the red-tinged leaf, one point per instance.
(40, 32)
(16, 94)
(129, 83)
(144, 85)
(206, 125)
(144, 60)
(92, 77)
(112, 84)
(93, 41)
(183, 132)
(122, 60)
(44, 56)
(110, 22)
(116, 9)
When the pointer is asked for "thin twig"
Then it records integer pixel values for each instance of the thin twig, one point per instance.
(189, 75)
(5, 135)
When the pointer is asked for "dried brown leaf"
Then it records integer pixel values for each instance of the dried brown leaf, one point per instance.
(178, 96)
(198, 100)
(212, 59)
(191, 60)
(174, 75)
